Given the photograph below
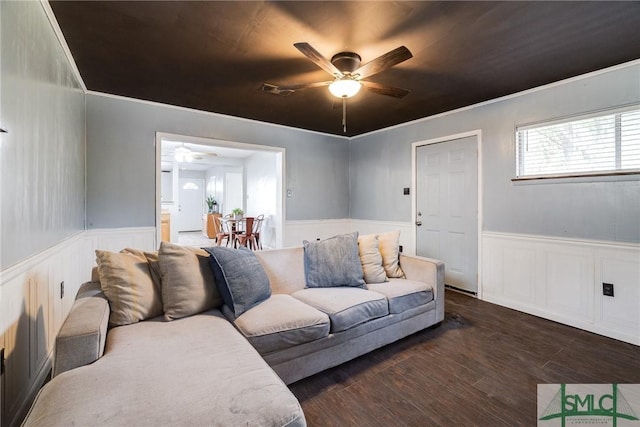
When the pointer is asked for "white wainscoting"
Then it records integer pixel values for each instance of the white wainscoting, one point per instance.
(297, 231)
(561, 280)
(116, 239)
(32, 309)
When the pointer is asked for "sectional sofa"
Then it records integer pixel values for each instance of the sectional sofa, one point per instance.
(153, 341)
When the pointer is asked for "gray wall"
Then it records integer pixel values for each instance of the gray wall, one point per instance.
(608, 210)
(121, 160)
(42, 160)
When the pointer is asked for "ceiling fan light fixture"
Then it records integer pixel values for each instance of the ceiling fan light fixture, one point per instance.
(344, 88)
(183, 154)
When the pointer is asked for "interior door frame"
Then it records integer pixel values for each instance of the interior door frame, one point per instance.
(414, 182)
(280, 178)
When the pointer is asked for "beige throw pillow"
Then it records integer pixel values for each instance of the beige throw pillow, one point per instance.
(154, 268)
(389, 244)
(188, 285)
(371, 259)
(126, 281)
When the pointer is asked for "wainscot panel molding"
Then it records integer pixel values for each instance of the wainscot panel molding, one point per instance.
(297, 231)
(561, 280)
(407, 240)
(116, 239)
(33, 306)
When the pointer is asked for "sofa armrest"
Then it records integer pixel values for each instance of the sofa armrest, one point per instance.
(429, 271)
(82, 338)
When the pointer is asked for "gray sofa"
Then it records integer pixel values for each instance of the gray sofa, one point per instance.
(215, 369)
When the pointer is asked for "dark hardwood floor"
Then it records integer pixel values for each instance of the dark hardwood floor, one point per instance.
(480, 367)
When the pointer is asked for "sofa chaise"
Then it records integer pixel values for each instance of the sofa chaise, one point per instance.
(226, 362)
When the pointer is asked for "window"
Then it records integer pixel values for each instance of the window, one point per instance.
(606, 142)
(190, 186)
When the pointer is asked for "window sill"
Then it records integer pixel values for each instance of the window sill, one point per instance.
(629, 175)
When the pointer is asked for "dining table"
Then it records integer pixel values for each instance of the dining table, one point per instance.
(235, 226)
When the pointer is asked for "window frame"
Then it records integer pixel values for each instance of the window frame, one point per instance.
(589, 175)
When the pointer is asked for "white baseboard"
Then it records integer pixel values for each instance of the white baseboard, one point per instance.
(561, 280)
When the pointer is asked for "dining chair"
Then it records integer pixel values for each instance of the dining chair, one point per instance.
(225, 231)
(247, 239)
(257, 226)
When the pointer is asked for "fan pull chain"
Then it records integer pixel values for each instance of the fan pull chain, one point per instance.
(344, 114)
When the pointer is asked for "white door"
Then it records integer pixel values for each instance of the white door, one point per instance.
(191, 204)
(447, 208)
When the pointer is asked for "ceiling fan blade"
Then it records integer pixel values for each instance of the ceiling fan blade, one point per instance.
(317, 58)
(203, 154)
(396, 92)
(285, 90)
(383, 62)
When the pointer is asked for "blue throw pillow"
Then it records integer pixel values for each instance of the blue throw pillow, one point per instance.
(239, 277)
(333, 262)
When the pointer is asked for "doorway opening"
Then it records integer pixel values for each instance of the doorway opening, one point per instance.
(447, 206)
(199, 179)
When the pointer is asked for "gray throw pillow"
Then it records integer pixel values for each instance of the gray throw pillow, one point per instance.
(240, 278)
(333, 262)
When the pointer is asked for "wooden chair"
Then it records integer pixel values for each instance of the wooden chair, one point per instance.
(224, 232)
(247, 239)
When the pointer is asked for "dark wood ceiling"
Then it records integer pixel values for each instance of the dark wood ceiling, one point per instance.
(214, 56)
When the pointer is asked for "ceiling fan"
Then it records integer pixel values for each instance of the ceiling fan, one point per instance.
(348, 74)
(183, 154)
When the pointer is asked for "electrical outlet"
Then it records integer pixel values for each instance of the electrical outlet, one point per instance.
(607, 289)
(62, 289)
(400, 248)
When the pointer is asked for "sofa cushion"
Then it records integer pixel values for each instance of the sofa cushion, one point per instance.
(187, 281)
(126, 282)
(403, 294)
(240, 278)
(389, 244)
(333, 262)
(371, 259)
(195, 371)
(280, 322)
(346, 307)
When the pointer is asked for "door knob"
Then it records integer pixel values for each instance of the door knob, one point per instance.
(418, 223)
